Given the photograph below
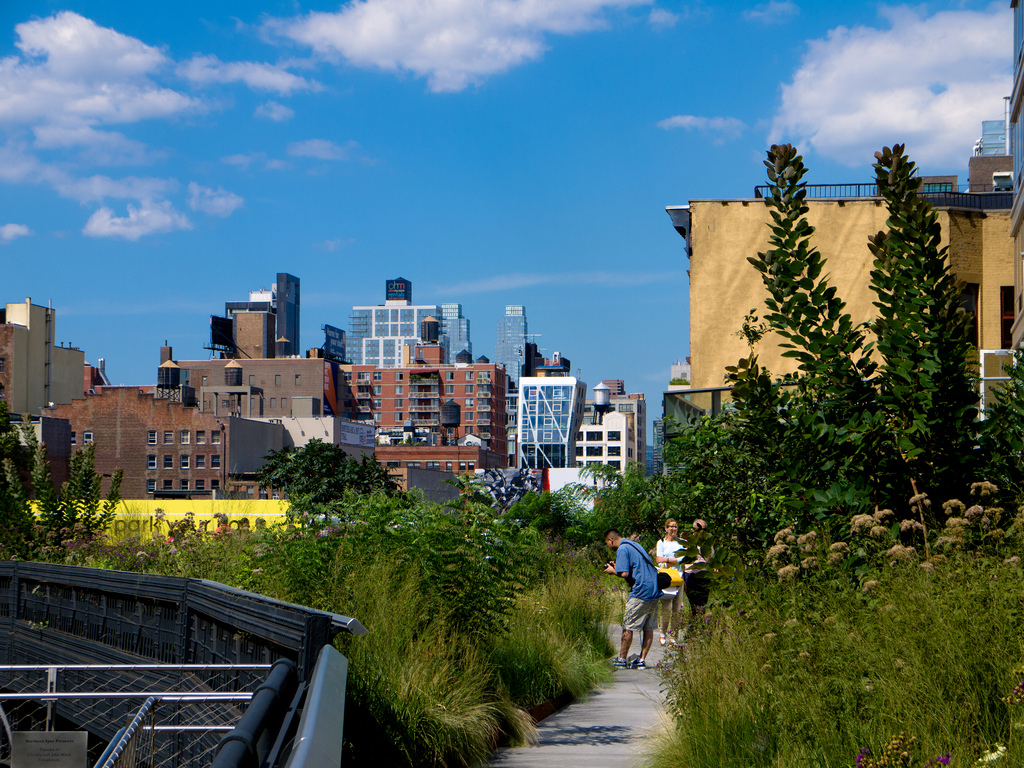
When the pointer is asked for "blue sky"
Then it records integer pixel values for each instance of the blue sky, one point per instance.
(156, 163)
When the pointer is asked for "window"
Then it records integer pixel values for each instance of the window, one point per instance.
(363, 376)
(215, 438)
(399, 377)
(185, 437)
(469, 402)
(200, 461)
(150, 486)
(615, 435)
(449, 389)
(1006, 316)
(252, 380)
(184, 485)
(398, 415)
(284, 403)
(2, 364)
(447, 466)
(378, 403)
(376, 389)
(151, 461)
(152, 437)
(277, 379)
(377, 375)
(200, 485)
(168, 438)
(579, 437)
(433, 465)
(168, 484)
(214, 461)
(615, 464)
(273, 402)
(579, 450)
(449, 375)
(200, 437)
(168, 461)
(593, 437)
(298, 379)
(469, 430)
(377, 416)
(87, 438)
(469, 389)
(394, 464)
(184, 461)
(399, 403)
(214, 484)
(469, 375)
(595, 450)
(399, 390)
(969, 304)
(614, 450)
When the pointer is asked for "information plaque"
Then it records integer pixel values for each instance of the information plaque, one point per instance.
(49, 749)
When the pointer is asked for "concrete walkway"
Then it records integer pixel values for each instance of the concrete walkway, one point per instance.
(605, 731)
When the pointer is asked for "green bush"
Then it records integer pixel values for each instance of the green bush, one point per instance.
(813, 672)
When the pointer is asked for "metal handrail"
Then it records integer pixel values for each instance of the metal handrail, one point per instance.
(125, 743)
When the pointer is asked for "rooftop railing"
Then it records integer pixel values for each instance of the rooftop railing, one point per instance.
(968, 200)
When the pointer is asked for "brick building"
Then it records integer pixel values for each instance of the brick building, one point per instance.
(165, 447)
(398, 400)
(456, 459)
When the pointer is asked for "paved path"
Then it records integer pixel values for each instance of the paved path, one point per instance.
(606, 730)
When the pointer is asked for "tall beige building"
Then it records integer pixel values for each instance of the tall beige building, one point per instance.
(724, 286)
(34, 370)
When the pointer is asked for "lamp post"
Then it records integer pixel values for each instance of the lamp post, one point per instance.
(602, 400)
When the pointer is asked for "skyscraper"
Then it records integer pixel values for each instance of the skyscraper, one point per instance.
(510, 349)
(456, 327)
(379, 334)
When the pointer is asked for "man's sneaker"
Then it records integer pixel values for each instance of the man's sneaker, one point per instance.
(618, 663)
(639, 664)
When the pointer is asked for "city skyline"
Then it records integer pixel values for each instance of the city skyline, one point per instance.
(154, 164)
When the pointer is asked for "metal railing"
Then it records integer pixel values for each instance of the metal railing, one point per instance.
(978, 201)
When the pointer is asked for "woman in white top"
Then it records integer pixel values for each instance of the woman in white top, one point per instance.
(667, 550)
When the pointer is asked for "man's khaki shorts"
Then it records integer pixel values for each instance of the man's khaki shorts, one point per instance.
(640, 614)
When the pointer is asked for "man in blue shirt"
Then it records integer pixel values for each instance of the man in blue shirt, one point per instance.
(635, 566)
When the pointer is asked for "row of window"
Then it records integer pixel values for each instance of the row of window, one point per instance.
(184, 437)
(464, 466)
(614, 464)
(597, 450)
(183, 485)
(480, 376)
(184, 461)
(598, 437)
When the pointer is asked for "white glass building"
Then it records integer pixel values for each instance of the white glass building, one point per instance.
(455, 326)
(550, 415)
(379, 334)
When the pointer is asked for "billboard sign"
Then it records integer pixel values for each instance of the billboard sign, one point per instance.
(222, 333)
(354, 433)
(334, 343)
(398, 289)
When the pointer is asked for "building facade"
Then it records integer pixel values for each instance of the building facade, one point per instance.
(550, 417)
(165, 447)
(383, 335)
(1017, 151)
(455, 326)
(406, 404)
(34, 370)
(510, 348)
(721, 234)
(268, 324)
(629, 441)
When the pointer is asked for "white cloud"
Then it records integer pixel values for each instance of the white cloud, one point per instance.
(926, 81)
(334, 245)
(75, 72)
(774, 12)
(217, 202)
(147, 219)
(659, 18)
(454, 44)
(204, 70)
(322, 149)
(10, 232)
(721, 129)
(279, 113)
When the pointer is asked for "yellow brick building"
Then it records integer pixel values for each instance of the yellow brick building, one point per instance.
(724, 286)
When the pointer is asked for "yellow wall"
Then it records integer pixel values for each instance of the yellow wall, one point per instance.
(724, 286)
(138, 516)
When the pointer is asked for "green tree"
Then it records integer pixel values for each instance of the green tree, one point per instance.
(320, 472)
(846, 432)
(79, 507)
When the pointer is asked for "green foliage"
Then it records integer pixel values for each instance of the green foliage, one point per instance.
(1002, 431)
(319, 473)
(844, 433)
(811, 673)
(628, 501)
(80, 505)
(561, 513)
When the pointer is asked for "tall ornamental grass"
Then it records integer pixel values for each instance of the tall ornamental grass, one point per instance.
(821, 674)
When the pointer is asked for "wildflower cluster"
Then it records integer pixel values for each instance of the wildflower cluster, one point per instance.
(895, 754)
(1016, 696)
